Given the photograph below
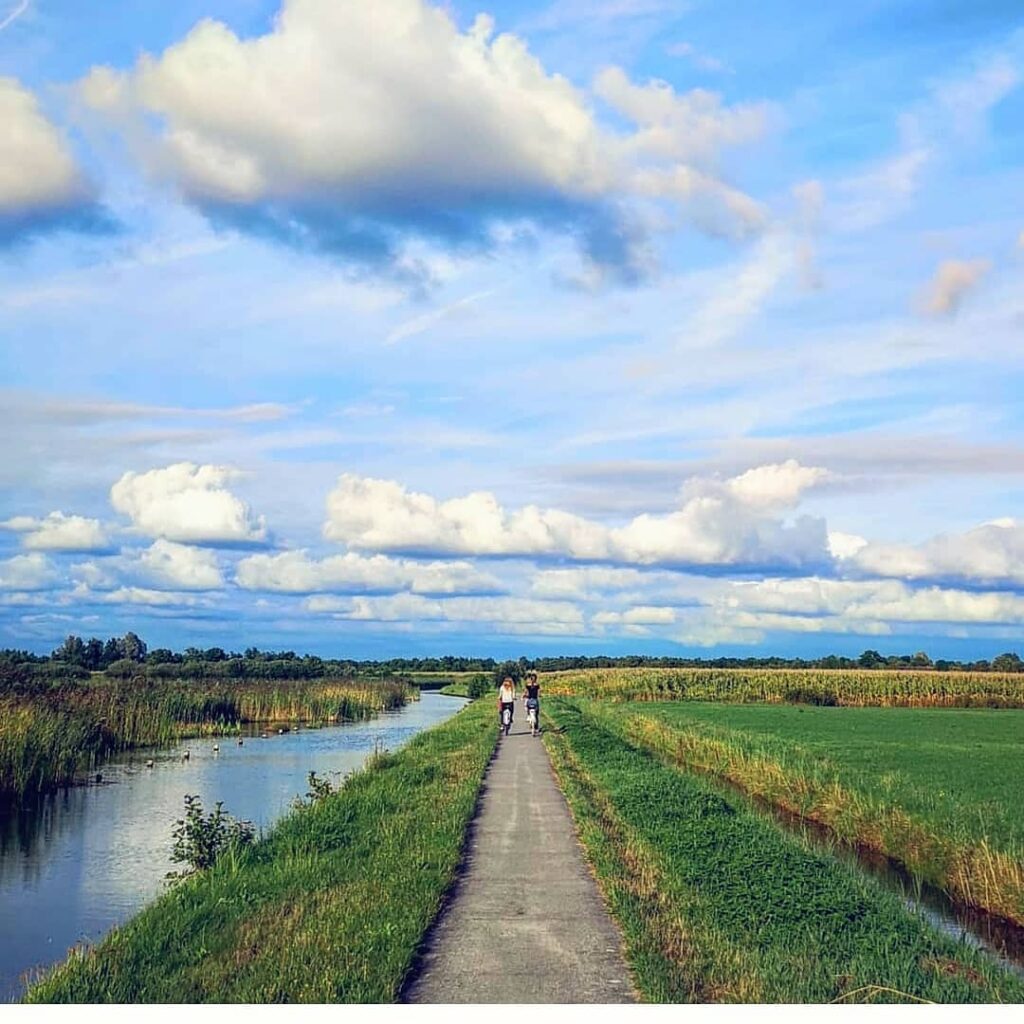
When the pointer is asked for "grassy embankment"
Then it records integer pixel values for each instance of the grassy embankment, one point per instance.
(48, 738)
(330, 907)
(455, 690)
(938, 791)
(843, 687)
(717, 904)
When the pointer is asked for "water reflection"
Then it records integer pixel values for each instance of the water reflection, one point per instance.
(75, 864)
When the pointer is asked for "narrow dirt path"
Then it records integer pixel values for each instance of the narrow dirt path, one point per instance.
(526, 923)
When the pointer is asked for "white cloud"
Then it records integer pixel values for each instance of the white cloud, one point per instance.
(317, 130)
(586, 583)
(953, 281)
(967, 100)
(844, 545)
(504, 614)
(861, 606)
(701, 61)
(188, 503)
(719, 523)
(180, 566)
(992, 553)
(28, 572)
(741, 297)
(776, 486)
(640, 615)
(294, 572)
(19, 8)
(39, 178)
(59, 532)
(138, 596)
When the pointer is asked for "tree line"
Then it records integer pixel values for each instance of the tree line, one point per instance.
(129, 656)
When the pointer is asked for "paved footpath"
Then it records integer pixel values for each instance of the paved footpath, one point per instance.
(526, 923)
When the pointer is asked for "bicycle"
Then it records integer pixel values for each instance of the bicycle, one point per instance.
(533, 715)
(506, 719)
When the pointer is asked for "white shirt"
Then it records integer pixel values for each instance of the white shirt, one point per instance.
(507, 693)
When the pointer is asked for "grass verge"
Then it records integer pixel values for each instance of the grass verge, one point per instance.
(716, 904)
(330, 907)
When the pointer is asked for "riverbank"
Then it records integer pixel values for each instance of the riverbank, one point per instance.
(330, 907)
(718, 905)
(51, 736)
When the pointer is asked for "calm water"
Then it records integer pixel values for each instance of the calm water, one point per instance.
(85, 860)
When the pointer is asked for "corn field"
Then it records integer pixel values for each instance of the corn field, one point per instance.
(840, 687)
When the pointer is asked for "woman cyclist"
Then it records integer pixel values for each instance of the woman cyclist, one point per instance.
(532, 701)
(506, 699)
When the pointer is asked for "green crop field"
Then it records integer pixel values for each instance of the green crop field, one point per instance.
(938, 790)
(962, 770)
(718, 904)
(848, 687)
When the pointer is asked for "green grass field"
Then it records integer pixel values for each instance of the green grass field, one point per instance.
(962, 770)
(718, 904)
(937, 790)
(330, 907)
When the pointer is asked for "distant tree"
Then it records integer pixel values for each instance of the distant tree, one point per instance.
(1008, 662)
(93, 654)
(72, 651)
(507, 668)
(134, 647)
(921, 660)
(870, 659)
(113, 650)
(215, 654)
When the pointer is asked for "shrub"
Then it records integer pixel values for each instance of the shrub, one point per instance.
(199, 839)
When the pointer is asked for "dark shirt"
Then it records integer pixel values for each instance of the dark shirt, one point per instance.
(533, 691)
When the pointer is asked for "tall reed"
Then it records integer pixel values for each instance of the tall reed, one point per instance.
(49, 738)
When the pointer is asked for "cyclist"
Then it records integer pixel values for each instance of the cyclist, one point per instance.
(506, 699)
(532, 701)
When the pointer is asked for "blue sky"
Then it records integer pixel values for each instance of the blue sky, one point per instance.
(597, 325)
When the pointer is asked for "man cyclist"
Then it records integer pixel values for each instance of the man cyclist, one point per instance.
(506, 699)
(532, 700)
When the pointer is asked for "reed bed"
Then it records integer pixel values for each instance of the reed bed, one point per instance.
(50, 738)
(839, 687)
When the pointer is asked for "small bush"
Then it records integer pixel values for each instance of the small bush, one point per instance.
(478, 686)
(199, 839)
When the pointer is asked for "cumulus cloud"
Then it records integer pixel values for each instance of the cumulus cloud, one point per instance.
(180, 566)
(188, 503)
(992, 553)
(60, 532)
(719, 523)
(28, 572)
(826, 605)
(315, 132)
(953, 281)
(41, 185)
(294, 572)
(138, 596)
(640, 615)
(503, 614)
